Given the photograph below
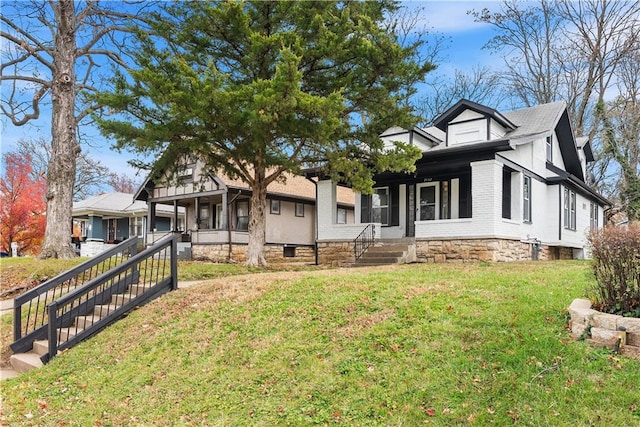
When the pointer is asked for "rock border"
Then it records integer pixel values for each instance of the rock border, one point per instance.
(601, 329)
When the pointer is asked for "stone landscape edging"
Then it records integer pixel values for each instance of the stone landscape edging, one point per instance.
(602, 329)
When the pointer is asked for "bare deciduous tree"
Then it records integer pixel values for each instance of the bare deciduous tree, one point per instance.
(91, 174)
(576, 51)
(480, 85)
(45, 45)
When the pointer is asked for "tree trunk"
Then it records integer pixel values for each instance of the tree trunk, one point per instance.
(257, 220)
(64, 144)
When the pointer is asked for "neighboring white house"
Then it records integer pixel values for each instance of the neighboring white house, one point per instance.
(489, 186)
(109, 218)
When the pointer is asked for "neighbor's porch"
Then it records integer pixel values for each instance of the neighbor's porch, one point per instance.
(216, 218)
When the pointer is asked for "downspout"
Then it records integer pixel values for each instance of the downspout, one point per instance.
(233, 199)
(560, 210)
(315, 249)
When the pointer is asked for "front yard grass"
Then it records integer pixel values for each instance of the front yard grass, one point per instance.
(402, 345)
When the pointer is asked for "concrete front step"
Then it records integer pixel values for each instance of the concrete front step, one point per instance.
(120, 299)
(381, 254)
(65, 334)
(83, 322)
(104, 310)
(24, 362)
(388, 248)
(377, 261)
(41, 347)
(136, 289)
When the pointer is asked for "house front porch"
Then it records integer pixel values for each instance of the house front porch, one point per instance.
(462, 210)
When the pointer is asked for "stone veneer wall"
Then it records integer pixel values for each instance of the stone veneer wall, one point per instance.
(488, 250)
(602, 328)
(336, 253)
(465, 250)
(273, 253)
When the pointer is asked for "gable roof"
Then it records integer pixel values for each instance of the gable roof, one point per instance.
(541, 121)
(537, 121)
(443, 119)
(527, 124)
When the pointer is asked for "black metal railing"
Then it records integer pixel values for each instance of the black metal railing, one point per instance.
(102, 300)
(364, 240)
(30, 308)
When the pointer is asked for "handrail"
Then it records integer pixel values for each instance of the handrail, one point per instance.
(152, 272)
(364, 240)
(35, 300)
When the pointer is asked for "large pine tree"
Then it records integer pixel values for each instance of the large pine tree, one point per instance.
(256, 89)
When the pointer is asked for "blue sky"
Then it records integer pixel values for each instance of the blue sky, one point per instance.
(446, 17)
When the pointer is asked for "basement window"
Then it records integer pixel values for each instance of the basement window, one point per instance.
(289, 251)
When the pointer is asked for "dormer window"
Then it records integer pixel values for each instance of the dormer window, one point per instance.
(549, 145)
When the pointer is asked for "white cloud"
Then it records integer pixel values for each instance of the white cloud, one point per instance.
(449, 16)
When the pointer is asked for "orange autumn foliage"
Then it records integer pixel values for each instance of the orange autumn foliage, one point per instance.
(22, 206)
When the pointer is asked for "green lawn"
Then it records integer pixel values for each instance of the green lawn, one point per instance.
(403, 345)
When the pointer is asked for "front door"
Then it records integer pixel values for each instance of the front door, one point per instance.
(428, 201)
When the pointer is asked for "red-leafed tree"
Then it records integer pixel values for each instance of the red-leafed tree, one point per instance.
(22, 205)
(122, 183)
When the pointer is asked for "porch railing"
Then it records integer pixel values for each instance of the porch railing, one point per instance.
(364, 240)
(30, 308)
(102, 300)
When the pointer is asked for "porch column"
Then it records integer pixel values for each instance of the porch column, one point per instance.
(326, 205)
(223, 213)
(175, 215)
(197, 208)
(486, 196)
(152, 216)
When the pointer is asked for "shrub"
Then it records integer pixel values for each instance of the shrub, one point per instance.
(616, 266)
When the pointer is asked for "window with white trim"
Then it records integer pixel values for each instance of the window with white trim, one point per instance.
(275, 207)
(569, 209)
(593, 216)
(549, 148)
(342, 216)
(380, 205)
(526, 199)
(135, 227)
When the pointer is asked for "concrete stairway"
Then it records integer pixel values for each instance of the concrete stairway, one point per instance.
(24, 362)
(384, 252)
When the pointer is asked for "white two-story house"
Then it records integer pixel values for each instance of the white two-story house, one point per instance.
(490, 186)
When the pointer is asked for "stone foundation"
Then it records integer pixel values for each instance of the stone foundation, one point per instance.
(603, 329)
(555, 252)
(486, 250)
(337, 253)
(466, 250)
(273, 253)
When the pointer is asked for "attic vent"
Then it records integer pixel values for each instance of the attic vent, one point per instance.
(185, 172)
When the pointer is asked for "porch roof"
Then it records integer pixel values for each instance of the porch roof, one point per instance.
(116, 204)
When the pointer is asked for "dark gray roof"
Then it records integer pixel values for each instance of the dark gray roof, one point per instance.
(535, 121)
